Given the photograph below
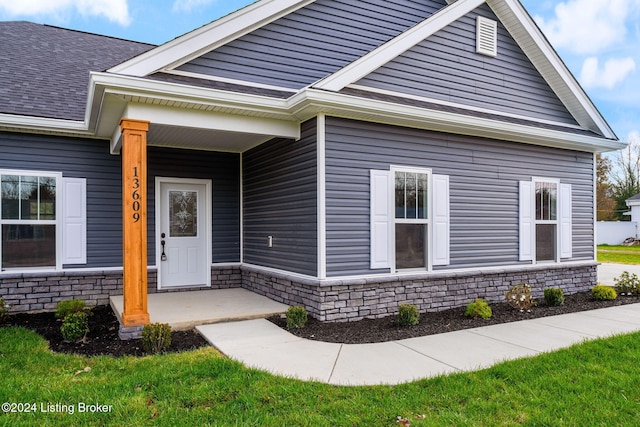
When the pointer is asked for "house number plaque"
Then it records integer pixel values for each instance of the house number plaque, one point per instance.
(135, 195)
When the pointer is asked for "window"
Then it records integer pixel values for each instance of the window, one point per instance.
(28, 217)
(411, 219)
(546, 222)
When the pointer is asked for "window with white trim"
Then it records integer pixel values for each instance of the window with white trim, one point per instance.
(409, 219)
(545, 220)
(33, 220)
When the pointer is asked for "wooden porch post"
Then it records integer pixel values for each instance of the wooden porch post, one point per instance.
(134, 221)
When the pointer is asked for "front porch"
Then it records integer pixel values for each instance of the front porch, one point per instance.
(185, 310)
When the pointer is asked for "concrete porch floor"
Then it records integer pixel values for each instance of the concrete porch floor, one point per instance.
(185, 310)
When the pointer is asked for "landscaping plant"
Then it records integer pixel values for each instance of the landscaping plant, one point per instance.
(408, 315)
(479, 309)
(75, 326)
(156, 337)
(296, 317)
(604, 293)
(627, 284)
(4, 310)
(519, 297)
(65, 308)
(554, 297)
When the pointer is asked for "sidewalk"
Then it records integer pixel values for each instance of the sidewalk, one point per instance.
(607, 272)
(262, 345)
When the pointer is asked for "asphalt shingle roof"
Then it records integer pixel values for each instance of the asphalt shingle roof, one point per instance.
(44, 70)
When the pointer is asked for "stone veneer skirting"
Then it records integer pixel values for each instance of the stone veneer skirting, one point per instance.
(356, 299)
(42, 291)
(327, 300)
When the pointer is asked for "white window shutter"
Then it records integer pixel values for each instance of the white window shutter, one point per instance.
(74, 221)
(526, 221)
(441, 220)
(380, 219)
(566, 222)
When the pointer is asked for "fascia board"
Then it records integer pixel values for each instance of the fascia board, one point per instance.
(208, 37)
(13, 121)
(536, 46)
(309, 102)
(398, 45)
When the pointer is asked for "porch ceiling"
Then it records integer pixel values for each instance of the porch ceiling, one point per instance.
(203, 139)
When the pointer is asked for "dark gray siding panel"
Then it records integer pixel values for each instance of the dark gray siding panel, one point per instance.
(90, 159)
(280, 200)
(314, 41)
(446, 67)
(78, 158)
(484, 176)
(223, 169)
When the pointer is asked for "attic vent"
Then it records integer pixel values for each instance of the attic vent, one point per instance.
(486, 36)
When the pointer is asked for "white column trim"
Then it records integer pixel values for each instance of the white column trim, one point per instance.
(322, 196)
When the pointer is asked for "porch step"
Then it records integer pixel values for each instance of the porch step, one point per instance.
(186, 310)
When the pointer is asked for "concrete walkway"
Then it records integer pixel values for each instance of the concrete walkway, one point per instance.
(607, 272)
(262, 345)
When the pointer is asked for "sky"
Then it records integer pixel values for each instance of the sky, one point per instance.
(599, 40)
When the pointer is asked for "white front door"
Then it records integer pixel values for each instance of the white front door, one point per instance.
(183, 227)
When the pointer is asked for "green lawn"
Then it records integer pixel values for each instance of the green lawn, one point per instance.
(596, 383)
(619, 254)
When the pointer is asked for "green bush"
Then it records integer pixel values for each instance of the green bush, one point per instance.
(75, 326)
(519, 297)
(627, 284)
(296, 317)
(479, 309)
(65, 308)
(4, 310)
(408, 315)
(156, 337)
(554, 297)
(603, 293)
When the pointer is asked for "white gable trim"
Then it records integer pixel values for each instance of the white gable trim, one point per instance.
(204, 39)
(398, 45)
(227, 80)
(536, 46)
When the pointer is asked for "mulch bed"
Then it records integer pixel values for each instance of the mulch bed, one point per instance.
(103, 336)
(386, 329)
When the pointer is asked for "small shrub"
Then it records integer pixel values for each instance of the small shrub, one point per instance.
(4, 310)
(479, 309)
(296, 317)
(156, 337)
(554, 297)
(603, 293)
(408, 315)
(75, 326)
(519, 297)
(627, 284)
(65, 308)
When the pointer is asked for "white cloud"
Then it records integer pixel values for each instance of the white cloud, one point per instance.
(589, 26)
(188, 5)
(609, 75)
(113, 10)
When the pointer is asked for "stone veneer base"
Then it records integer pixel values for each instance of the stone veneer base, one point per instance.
(327, 300)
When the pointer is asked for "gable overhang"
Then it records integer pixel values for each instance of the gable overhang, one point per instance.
(522, 28)
(198, 42)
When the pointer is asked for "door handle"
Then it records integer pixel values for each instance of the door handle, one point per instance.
(163, 257)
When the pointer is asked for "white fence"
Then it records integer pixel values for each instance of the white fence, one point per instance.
(614, 233)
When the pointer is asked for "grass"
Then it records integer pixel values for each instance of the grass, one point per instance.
(619, 254)
(595, 383)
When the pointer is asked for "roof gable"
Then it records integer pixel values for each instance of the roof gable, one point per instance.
(312, 42)
(446, 67)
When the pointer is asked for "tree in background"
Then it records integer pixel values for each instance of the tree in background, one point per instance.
(606, 205)
(625, 175)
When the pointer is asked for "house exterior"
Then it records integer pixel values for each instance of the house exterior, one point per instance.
(347, 156)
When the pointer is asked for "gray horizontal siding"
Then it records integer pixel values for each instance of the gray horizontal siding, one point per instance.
(78, 158)
(484, 176)
(313, 42)
(223, 169)
(90, 159)
(446, 67)
(280, 200)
